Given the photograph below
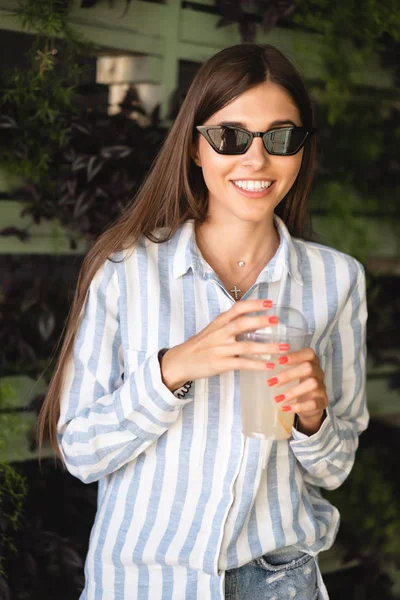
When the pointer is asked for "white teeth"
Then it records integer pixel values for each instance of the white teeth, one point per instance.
(251, 185)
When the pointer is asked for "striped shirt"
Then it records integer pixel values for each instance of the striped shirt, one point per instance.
(183, 495)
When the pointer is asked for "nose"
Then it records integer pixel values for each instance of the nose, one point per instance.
(256, 156)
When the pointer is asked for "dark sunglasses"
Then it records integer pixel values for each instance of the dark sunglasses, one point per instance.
(226, 139)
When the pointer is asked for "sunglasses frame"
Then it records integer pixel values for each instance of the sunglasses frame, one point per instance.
(203, 129)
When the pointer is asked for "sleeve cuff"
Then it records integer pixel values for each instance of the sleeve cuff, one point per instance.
(161, 389)
(321, 442)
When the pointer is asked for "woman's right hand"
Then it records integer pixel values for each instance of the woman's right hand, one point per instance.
(215, 350)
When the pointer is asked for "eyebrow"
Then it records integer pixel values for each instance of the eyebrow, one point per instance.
(271, 125)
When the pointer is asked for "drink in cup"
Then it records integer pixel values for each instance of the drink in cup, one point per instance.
(262, 417)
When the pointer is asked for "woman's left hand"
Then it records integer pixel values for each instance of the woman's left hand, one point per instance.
(308, 399)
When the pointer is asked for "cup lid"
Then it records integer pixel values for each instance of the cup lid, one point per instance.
(290, 322)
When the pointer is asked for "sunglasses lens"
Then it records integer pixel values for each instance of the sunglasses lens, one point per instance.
(228, 140)
(285, 141)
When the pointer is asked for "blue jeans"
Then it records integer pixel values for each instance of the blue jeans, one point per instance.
(280, 575)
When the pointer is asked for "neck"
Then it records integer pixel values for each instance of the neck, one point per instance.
(224, 244)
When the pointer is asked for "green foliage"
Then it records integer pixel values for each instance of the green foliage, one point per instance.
(369, 509)
(39, 100)
(353, 33)
(47, 17)
(12, 484)
(9, 425)
(360, 152)
(13, 491)
(377, 531)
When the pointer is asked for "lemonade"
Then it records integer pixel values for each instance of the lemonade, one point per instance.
(262, 417)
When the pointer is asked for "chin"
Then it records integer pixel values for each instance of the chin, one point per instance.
(253, 218)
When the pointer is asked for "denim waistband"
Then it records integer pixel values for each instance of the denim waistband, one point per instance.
(289, 553)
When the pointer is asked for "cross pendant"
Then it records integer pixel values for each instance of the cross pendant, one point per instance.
(236, 291)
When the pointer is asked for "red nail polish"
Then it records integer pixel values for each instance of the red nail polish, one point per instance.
(270, 366)
(272, 381)
(280, 398)
(282, 360)
(273, 320)
(286, 408)
(283, 347)
(267, 303)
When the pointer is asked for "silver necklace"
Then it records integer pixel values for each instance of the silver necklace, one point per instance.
(235, 291)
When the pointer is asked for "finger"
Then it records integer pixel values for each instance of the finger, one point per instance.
(313, 405)
(257, 350)
(309, 386)
(300, 356)
(309, 408)
(247, 324)
(241, 308)
(241, 363)
(302, 371)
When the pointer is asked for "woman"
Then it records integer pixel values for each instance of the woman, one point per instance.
(145, 397)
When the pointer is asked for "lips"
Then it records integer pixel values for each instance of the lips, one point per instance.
(254, 194)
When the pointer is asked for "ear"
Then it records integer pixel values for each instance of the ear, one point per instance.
(194, 154)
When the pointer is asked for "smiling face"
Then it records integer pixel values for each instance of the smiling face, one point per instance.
(264, 107)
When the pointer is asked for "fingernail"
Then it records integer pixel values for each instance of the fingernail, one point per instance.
(273, 320)
(272, 381)
(267, 303)
(282, 360)
(283, 347)
(280, 398)
(286, 408)
(270, 366)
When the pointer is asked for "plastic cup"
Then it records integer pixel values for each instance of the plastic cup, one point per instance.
(262, 417)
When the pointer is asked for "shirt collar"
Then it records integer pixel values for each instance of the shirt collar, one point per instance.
(187, 255)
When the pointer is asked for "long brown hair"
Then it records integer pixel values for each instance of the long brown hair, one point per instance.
(174, 190)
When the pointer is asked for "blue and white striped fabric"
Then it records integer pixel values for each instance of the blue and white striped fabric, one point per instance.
(183, 496)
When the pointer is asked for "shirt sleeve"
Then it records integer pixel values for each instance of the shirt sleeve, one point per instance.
(106, 418)
(327, 456)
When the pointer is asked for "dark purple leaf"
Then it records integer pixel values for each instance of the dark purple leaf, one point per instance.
(71, 186)
(85, 224)
(26, 211)
(247, 30)
(5, 592)
(80, 162)
(270, 17)
(251, 5)
(70, 154)
(83, 202)
(118, 151)
(100, 193)
(7, 122)
(127, 3)
(25, 350)
(88, 3)
(32, 190)
(223, 21)
(95, 165)
(29, 301)
(231, 9)
(21, 234)
(288, 10)
(46, 325)
(80, 127)
(64, 199)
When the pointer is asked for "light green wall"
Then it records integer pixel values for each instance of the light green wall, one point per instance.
(171, 33)
(50, 238)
